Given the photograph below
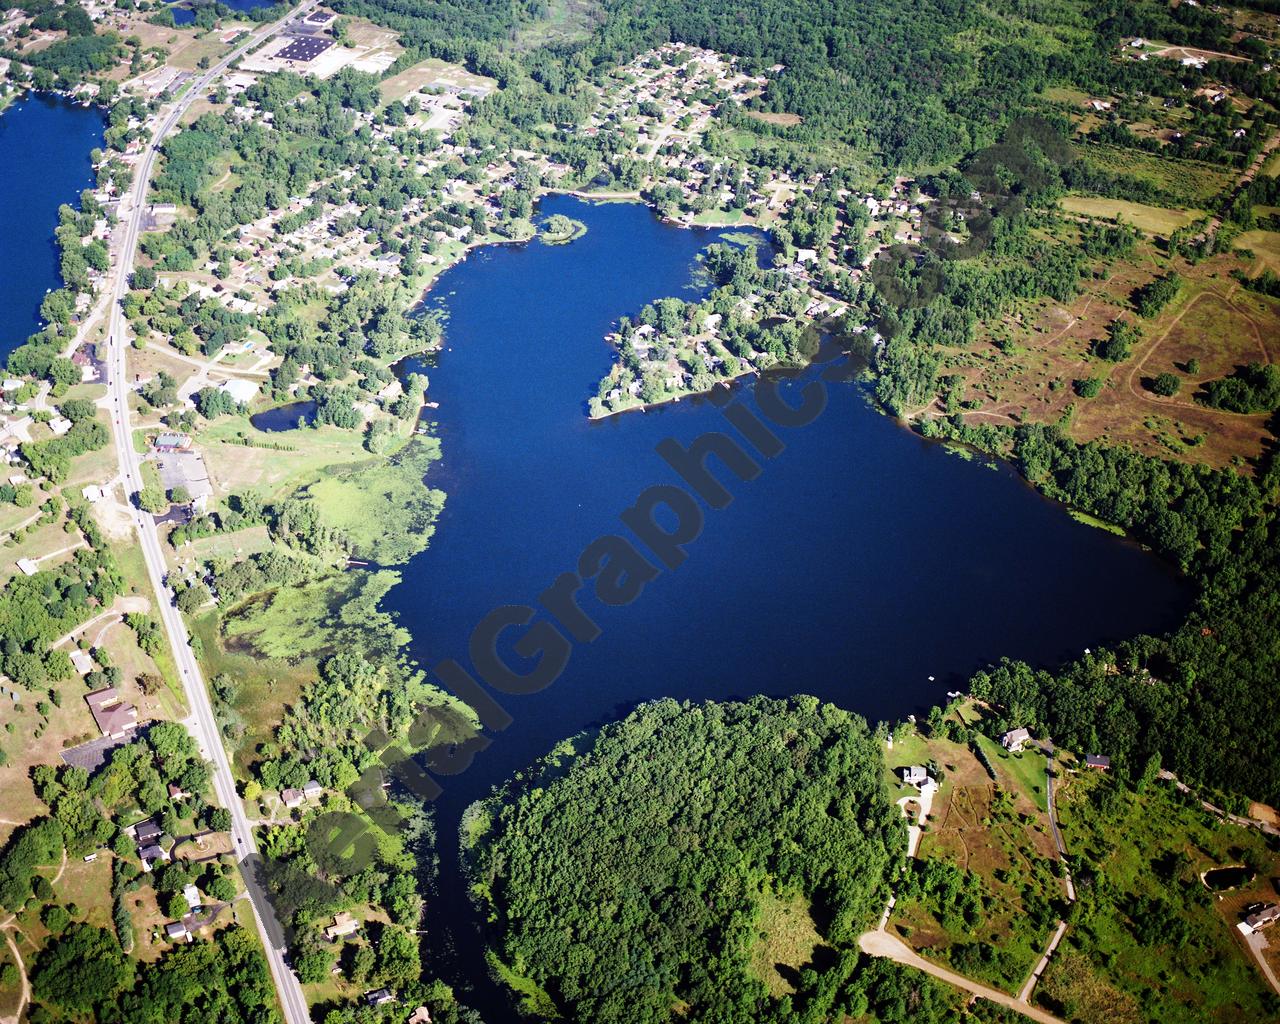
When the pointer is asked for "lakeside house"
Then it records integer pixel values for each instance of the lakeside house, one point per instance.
(114, 717)
(917, 775)
(1097, 761)
(1015, 739)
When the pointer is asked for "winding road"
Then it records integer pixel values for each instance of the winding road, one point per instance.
(202, 721)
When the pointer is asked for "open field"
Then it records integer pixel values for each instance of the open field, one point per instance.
(431, 73)
(1153, 220)
(274, 472)
(786, 938)
(263, 689)
(1023, 368)
(1265, 246)
(1188, 181)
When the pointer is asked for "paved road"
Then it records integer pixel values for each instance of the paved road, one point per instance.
(205, 726)
(884, 944)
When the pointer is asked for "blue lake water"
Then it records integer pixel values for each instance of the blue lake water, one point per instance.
(860, 562)
(44, 162)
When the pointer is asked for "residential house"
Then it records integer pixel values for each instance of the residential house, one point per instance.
(1265, 917)
(1097, 761)
(312, 790)
(152, 855)
(1015, 739)
(176, 931)
(291, 797)
(915, 775)
(343, 925)
(379, 997)
(192, 895)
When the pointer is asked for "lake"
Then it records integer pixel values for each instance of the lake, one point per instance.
(862, 560)
(44, 162)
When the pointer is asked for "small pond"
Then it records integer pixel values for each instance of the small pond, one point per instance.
(284, 417)
(1221, 879)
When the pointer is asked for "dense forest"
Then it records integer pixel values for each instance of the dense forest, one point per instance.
(626, 873)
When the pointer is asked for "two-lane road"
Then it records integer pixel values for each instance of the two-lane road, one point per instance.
(202, 719)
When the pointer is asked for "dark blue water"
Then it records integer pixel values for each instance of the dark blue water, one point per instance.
(182, 15)
(283, 417)
(860, 562)
(44, 162)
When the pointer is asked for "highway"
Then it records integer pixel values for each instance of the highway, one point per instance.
(202, 720)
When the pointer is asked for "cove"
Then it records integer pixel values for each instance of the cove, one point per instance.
(44, 162)
(861, 561)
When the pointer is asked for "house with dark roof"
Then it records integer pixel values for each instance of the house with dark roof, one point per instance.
(1265, 917)
(153, 855)
(1097, 761)
(379, 997)
(145, 832)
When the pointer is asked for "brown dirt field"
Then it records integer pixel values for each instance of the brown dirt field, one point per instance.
(1214, 321)
(782, 120)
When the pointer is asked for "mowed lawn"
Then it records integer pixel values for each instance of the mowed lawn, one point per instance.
(1153, 220)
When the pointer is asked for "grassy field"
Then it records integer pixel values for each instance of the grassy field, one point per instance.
(1265, 246)
(428, 73)
(1189, 182)
(263, 688)
(1154, 220)
(274, 472)
(1150, 941)
(786, 939)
